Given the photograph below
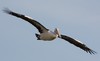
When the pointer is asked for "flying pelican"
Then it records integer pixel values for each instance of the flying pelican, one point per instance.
(47, 35)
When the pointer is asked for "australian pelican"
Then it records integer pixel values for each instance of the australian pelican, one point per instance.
(47, 35)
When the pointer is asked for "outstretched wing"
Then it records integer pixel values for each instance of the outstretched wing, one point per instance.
(78, 44)
(40, 27)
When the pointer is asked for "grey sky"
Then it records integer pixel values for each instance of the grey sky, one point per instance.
(79, 19)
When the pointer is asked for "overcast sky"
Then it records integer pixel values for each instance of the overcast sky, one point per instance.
(79, 19)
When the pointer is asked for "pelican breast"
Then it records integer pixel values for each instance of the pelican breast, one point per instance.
(48, 36)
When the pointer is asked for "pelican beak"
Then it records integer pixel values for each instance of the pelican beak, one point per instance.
(57, 32)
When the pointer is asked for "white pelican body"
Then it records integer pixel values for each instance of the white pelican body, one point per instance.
(48, 36)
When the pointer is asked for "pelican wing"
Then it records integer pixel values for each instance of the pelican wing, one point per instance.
(78, 44)
(40, 27)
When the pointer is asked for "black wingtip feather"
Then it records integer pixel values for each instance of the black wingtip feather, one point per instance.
(6, 10)
(88, 50)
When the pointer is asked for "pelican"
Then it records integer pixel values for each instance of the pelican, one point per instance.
(47, 35)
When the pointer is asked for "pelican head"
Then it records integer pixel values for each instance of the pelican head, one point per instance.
(57, 32)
